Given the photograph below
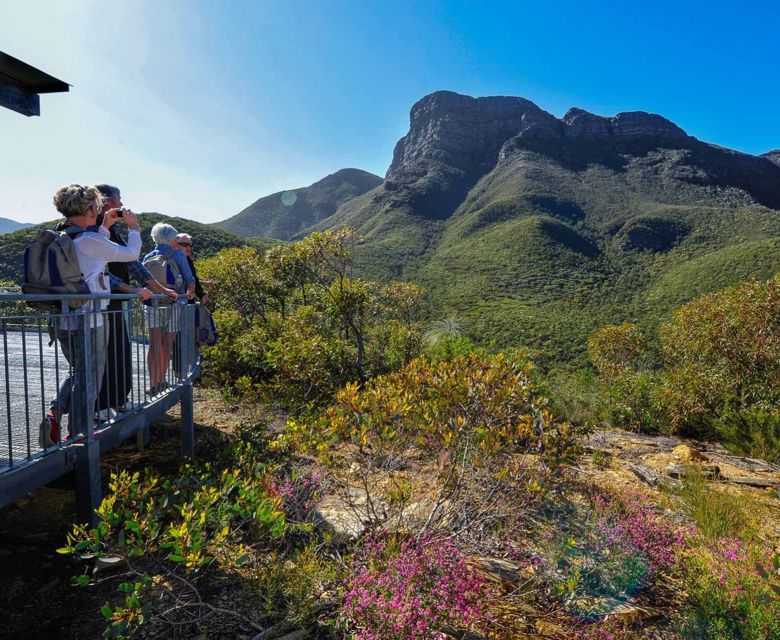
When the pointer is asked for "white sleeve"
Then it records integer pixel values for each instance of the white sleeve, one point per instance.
(99, 247)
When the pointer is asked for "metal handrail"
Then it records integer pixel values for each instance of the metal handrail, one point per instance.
(140, 377)
(54, 297)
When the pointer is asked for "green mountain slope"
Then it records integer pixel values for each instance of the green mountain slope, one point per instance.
(283, 215)
(206, 239)
(535, 229)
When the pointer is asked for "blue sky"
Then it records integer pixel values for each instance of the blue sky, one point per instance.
(197, 108)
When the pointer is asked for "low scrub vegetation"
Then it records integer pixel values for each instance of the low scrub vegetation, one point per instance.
(422, 486)
(713, 372)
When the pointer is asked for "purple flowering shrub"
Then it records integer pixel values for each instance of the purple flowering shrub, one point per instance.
(627, 516)
(734, 591)
(412, 591)
(299, 493)
(607, 550)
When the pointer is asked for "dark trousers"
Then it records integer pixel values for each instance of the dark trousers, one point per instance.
(117, 379)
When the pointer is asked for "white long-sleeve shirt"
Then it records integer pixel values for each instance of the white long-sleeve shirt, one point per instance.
(94, 250)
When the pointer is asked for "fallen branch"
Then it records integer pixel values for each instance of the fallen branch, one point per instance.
(300, 634)
(645, 474)
(213, 609)
(285, 626)
(461, 634)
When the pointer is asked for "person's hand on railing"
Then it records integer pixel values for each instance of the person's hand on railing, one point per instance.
(204, 298)
(191, 291)
(145, 293)
(170, 293)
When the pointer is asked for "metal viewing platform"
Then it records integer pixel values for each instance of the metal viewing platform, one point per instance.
(33, 368)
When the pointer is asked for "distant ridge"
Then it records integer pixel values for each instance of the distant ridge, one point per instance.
(285, 214)
(772, 156)
(7, 225)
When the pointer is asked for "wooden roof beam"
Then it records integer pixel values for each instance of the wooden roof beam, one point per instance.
(28, 103)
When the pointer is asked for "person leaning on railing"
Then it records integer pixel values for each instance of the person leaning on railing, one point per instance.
(184, 242)
(81, 206)
(163, 321)
(117, 378)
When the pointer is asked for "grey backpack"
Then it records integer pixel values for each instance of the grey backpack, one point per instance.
(51, 266)
(206, 330)
(166, 272)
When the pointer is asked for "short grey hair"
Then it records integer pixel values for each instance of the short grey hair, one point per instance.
(163, 233)
(186, 237)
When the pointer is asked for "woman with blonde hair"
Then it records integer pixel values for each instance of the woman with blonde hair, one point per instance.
(81, 206)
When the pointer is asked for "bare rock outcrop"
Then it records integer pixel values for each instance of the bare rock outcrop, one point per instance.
(628, 126)
(465, 132)
(468, 133)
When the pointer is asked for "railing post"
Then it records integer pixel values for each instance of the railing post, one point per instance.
(143, 436)
(186, 340)
(88, 487)
(187, 422)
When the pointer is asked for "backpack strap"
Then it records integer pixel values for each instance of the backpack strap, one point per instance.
(72, 230)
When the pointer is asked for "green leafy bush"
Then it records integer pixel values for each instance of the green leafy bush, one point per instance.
(751, 432)
(722, 351)
(623, 356)
(715, 374)
(466, 418)
(734, 592)
(296, 326)
(184, 527)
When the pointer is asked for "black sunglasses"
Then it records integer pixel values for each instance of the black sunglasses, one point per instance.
(184, 244)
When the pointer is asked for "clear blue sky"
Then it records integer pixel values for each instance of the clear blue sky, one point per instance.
(197, 108)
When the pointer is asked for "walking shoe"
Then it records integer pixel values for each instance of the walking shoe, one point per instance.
(49, 433)
(106, 415)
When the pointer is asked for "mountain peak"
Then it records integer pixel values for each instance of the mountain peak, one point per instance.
(468, 133)
(356, 177)
(628, 125)
(7, 225)
(286, 213)
(463, 131)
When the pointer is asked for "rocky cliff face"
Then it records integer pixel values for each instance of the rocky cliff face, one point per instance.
(468, 133)
(624, 127)
(465, 132)
(454, 140)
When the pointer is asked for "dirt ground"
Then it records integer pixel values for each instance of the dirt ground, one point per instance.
(36, 596)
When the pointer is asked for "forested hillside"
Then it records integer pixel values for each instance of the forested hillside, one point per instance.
(534, 230)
